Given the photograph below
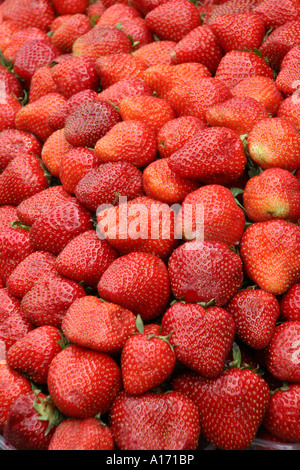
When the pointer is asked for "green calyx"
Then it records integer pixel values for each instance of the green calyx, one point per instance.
(47, 411)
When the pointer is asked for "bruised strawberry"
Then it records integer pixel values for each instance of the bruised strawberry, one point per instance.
(95, 376)
(127, 87)
(289, 304)
(115, 67)
(156, 52)
(75, 165)
(205, 271)
(14, 143)
(85, 258)
(139, 282)
(203, 337)
(101, 326)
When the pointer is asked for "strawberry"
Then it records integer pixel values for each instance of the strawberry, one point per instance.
(33, 116)
(82, 434)
(9, 109)
(165, 421)
(231, 7)
(89, 122)
(199, 45)
(48, 300)
(239, 113)
(277, 13)
(42, 83)
(223, 219)
(194, 98)
(274, 193)
(203, 337)
(75, 165)
(145, 6)
(127, 87)
(40, 203)
(83, 382)
(7, 30)
(12, 385)
(133, 141)
(9, 304)
(204, 157)
(235, 66)
(275, 143)
(15, 327)
(106, 325)
(32, 55)
(74, 75)
(95, 10)
(25, 13)
(8, 214)
(205, 271)
(20, 38)
(156, 52)
(161, 183)
(142, 224)
(262, 89)
(23, 177)
(282, 352)
(231, 406)
(101, 40)
(10, 84)
(137, 30)
(150, 109)
(271, 255)
(32, 354)
(69, 7)
(107, 183)
(255, 313)
(147, 360)
(139, 282)
(14, 143)
(31, 422)
(71, 29)
(280, 42)
(289, 304)
(176, 132)
(55, 146)
(282, 415)
(85, 258)
(117, 12)
(289, 110)
(287, 78)
(115, 67)
(172, 20)
(55, 228)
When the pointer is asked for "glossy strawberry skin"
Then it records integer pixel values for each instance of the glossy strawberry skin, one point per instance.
(53, 150)
(127, 87)
(15, 246)
(289, 304)
(14, 143)
(14, 328)
(156, 52)
(25, 14)
(9, 304)
(64, 36)
(115, 67)
(69, 7)
(75, 165)
(276, 13)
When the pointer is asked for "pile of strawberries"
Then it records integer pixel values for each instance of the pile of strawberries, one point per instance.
(149, 224)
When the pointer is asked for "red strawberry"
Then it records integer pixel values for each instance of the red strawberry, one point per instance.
(42, 83)
(275, 13)
(282, 353)
(7, 30)
(25, 13)
(9, 109)
(28, 272)
(69, 7)
(74, 75)
(12, 385)
(20, 38)
(117, 12)
(282, 415)
(147, 360)
(31, 422)
(236, 65)
(48, 300)
(262, 89)
(127, 87)
(85, 258)
(107, 183)
(223, 219)
(137, 30)
(275, 143)
(162, 421)
(203, 271)
(203, 337)
(133, 141)
(271, 254)
(32, 354)
(89, 122)
(230, 7)
(142, 224)
(15, 327)
(54, 229)
(289, 110)
(115, 67)
(10, 84)
(54, 148)
(156, 52)
(14, 143)
(197, 159)
(231, 405)
(95, 9)
(290, 305)
(71, 29)
(274, 193)
(22, 178)
(145, 6)
(139, 282)
(94, 376)
(41, 203)
(75, 165)
(238, 32)
(172, 20)
(9, 304)
(102, 40)
(287, 79)
(106, 325)
(8, 214)
(82, 434)
(255, 313)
